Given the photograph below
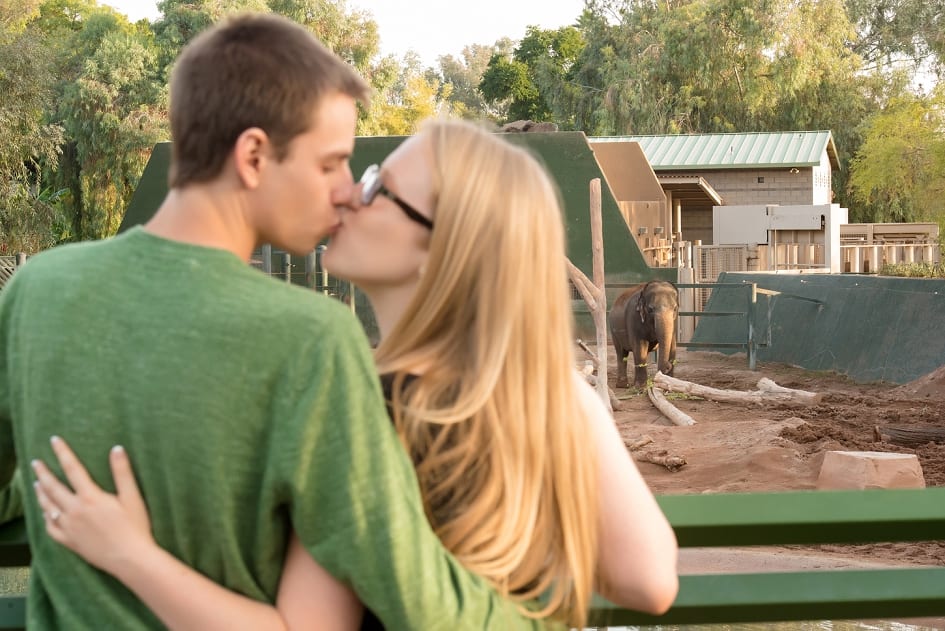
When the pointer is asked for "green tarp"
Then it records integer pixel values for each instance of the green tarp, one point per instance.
(872, 328)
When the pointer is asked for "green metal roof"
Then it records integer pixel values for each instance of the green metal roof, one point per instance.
(733, 151)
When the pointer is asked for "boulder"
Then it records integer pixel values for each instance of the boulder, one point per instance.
(870, 470)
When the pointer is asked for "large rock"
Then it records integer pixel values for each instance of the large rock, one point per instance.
(870, 470)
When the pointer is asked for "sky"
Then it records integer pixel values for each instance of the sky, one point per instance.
(434, 27)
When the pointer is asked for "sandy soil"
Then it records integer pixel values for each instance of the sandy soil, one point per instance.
(740, 448)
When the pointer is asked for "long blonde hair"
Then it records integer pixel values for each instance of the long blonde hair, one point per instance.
(494, 427)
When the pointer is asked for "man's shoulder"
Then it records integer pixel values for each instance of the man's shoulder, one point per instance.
(66, 252)
(305, 309)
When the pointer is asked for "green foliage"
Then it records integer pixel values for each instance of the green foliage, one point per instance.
(899, 170)
(528, 79)
(112, 106)
(462, 78)
(410, 96)
(182, 20)
(913, 270)
(890, 31)
(26, 140)
(713, 66)
(351, 34)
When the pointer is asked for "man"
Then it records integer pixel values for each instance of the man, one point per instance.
(249, 408)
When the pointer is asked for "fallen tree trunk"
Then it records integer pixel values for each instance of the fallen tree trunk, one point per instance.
(662, 458)
(909, 436)
(759, 397)
(669, 410)
(766, 385)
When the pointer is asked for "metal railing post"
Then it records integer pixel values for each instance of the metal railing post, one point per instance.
(752, 300)
(267, 259)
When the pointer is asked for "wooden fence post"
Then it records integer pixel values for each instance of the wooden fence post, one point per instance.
(600, 313)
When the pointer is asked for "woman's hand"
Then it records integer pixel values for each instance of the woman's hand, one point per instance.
(102, 528)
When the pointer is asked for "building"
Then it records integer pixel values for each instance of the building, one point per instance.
(700, 171)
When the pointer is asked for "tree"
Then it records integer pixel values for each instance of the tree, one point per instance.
(891, 33)
(111, 103)
(898, 174)
(182, 20)
(404, 95)
(351, 34)
(528, 78)
(462, 77)
(28, 219)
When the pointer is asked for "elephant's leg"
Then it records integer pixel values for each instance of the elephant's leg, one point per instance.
(672, 357)
(641, 352)
(621, 365)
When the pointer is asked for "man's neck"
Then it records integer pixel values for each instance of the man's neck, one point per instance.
(198, 216)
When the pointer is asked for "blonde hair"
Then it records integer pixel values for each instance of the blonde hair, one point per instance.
(493, 424)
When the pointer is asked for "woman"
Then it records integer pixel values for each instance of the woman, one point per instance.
(458, 243)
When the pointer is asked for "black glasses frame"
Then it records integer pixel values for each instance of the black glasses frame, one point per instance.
(372, 186)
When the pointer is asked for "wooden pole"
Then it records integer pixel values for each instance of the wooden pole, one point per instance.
(600, 313)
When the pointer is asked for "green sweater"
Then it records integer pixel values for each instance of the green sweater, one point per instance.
(249, 407)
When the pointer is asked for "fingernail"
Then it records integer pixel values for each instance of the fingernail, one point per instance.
(35, 484)
(35, 464)
(54, 439)
(118, 449)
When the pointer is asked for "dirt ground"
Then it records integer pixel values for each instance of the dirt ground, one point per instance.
(741, 448)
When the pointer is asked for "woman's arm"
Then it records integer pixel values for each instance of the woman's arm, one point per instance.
(637, 550)
(113, 533)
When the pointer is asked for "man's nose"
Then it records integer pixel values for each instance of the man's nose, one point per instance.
(348, 195)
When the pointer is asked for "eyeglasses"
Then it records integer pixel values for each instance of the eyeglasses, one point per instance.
(374, 186)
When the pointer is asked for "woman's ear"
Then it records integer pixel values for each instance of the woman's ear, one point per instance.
(250, 154)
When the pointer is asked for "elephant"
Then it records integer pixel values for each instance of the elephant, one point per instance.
(643, 319)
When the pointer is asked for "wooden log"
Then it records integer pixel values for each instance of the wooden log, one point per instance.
(643, 441)
(585, 286)
(669, 410)
(662, 458)
(587, 350)
(758, 397)
(766, 385)
(614, 401)
(909, 436)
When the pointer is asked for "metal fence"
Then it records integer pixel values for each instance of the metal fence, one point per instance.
(9, 265)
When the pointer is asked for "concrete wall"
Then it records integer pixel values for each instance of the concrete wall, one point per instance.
(871, 328)
(823, 193)
(778, 186)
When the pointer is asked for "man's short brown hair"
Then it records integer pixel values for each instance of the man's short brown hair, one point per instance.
(251, 70)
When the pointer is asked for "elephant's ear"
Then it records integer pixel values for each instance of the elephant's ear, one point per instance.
(641, 306)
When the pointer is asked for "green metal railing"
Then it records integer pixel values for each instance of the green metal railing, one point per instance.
(801, 517)
(751, 519)
(749, 345)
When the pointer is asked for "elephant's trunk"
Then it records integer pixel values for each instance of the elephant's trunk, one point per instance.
(664, 322)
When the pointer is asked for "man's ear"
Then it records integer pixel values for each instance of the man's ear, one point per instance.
(250, 154)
